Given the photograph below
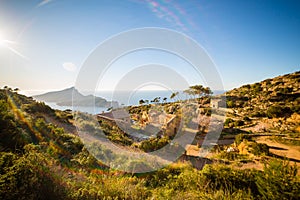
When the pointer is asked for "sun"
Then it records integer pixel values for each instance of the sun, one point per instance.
(10, 45)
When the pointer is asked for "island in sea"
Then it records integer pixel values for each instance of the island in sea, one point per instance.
(72, 97)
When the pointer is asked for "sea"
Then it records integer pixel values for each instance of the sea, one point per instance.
(127, 98)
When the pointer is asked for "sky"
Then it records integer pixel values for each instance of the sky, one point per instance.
(45, 43)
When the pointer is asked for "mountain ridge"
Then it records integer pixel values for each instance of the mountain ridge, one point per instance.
(72, 97)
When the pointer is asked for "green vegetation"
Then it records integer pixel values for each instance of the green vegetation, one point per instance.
(234, 123)
(278, 111)
(231, 156)
(42, 158)
(154, 143)
(240, 138)
(228, 122)
(279, 181)
(255, 148)
(259, 149)
(287, 141)
(279, 97)
(112, 131)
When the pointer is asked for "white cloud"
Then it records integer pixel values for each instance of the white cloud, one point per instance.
(69, 66)
(44, 2)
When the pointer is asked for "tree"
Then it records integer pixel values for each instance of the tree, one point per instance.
(207, 91)
(7, 88)
(189, 92)
(141, 101)
(156, 100)
(173, 95)
(198, 91)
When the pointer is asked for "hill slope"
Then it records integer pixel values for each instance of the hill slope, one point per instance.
(39, 159)
(276, 97)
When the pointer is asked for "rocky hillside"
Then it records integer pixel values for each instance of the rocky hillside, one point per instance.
(276, 97)
(41, 159)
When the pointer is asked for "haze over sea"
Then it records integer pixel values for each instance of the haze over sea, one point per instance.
(125, 98)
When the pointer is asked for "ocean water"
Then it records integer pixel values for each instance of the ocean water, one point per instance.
(133, 97)
(126, 98)
(90, 110)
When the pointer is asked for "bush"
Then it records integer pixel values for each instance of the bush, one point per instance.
(256, 88)
(231, 156)
(258, 114)
(246, 119)
(278, 111)
(274, 111)
(28, 177)
(239, 123)
(12, 137)
(279, 181)
(228, 121)
(38, 107)
(220, 177)
(260, 149)
(240, 137)
(153, 144)
(230, 104)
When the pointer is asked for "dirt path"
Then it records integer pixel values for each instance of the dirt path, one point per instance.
(69, 128)
(282, 150)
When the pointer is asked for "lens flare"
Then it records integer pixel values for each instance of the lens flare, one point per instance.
(38, 135)
(9, 44)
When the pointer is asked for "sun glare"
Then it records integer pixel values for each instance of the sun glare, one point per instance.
(10, 45)
(1, 39)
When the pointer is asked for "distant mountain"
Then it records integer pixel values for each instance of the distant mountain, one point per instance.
(71, 96)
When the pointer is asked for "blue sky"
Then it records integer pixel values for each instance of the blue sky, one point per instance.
(44, 43)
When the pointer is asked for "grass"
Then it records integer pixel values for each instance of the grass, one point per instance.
(232, 156)
(287, 141)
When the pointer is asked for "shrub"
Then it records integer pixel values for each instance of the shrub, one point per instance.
(258, 114)
(28, 177)
(228, 121)
(279, 181)
(38, 107)
(260, 149)
(231, 156)
(256, 88)
(239, 123)
(240, 137)
(274, 111)
(220, 177)
(153, 144)
(246, 118)
(230, 104)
